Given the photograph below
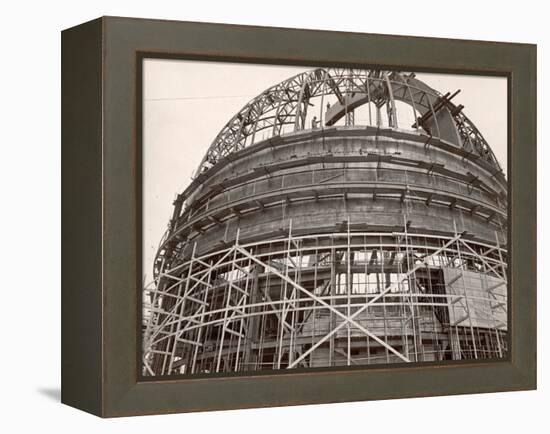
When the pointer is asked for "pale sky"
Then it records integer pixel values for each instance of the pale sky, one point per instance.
(186, 104)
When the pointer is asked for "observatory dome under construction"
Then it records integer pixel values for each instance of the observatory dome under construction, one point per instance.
(342, 217)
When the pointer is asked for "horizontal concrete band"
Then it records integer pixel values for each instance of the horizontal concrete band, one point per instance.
(323, 162)
(308, 218)
(327, 133)
(378, 190)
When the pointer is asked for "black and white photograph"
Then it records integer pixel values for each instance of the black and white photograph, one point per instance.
(296, 217)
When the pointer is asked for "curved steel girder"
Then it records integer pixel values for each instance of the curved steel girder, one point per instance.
(407, 89)
(286, 103)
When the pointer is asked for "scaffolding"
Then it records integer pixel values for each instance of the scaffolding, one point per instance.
(354, 242)
(329, 300)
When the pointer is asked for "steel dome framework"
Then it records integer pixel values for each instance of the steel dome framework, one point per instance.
(323, 229)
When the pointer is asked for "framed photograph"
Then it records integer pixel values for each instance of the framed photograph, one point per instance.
(259, 217)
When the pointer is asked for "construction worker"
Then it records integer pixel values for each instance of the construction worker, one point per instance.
(314, 122)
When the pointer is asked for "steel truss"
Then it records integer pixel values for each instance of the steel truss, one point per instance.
(335, 299)
(283, 108)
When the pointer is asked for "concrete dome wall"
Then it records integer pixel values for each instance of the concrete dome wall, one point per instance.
(378, 179)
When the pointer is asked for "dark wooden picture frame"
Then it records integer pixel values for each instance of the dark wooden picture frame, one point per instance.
(101, 228)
